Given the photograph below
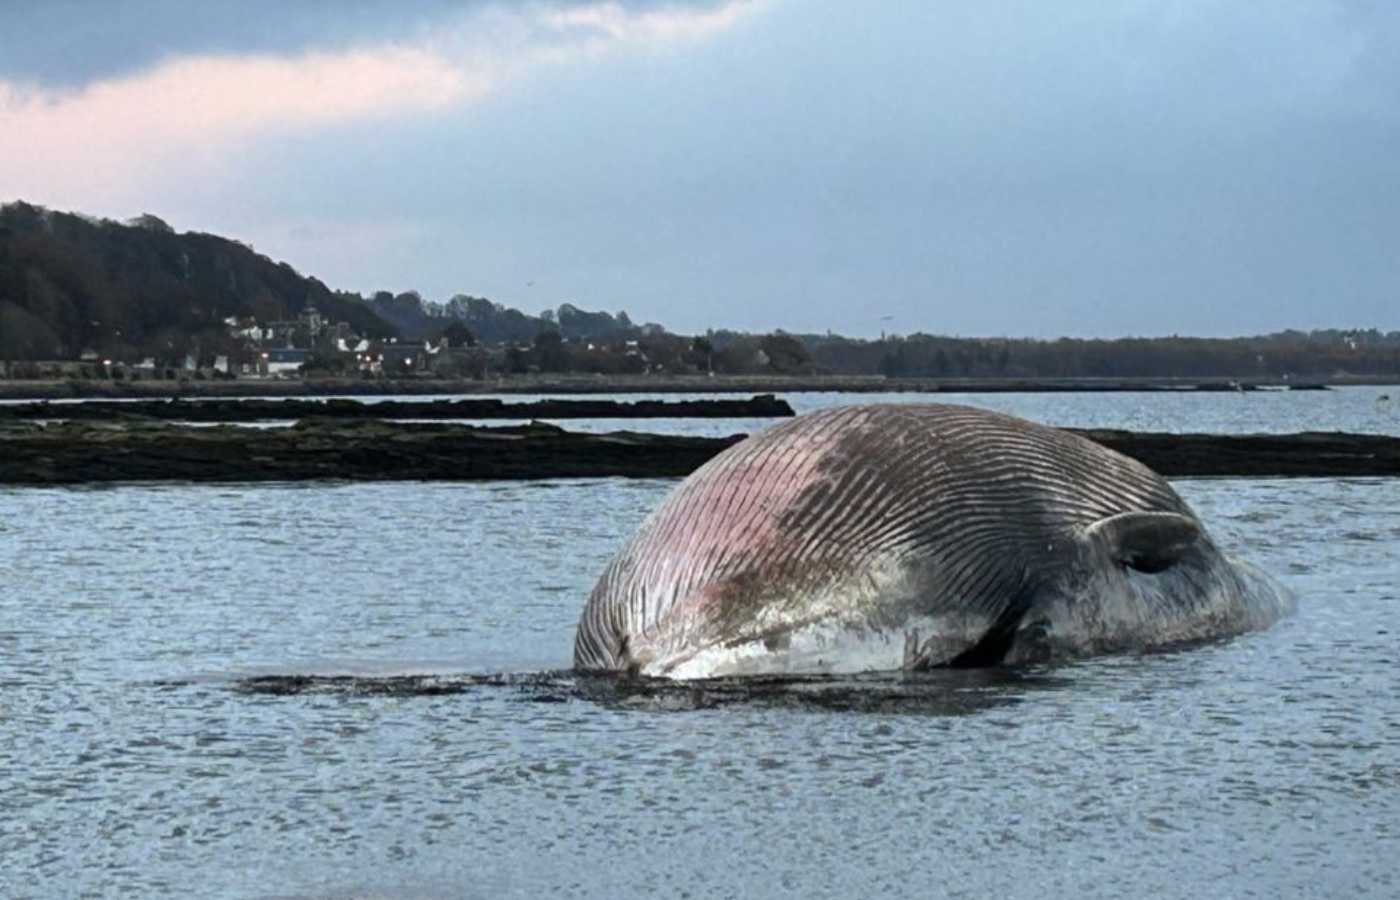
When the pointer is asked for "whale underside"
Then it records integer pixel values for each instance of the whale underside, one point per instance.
(912, 536)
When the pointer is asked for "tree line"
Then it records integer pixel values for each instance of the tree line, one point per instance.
(1275, 356)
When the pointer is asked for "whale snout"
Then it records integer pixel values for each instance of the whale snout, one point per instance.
(1264, 600)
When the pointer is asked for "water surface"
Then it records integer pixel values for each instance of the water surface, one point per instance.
(139, 758)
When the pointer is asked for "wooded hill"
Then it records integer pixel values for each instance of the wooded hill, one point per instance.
(69, 283)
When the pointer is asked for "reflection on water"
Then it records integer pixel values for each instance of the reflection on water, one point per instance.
(943, 692)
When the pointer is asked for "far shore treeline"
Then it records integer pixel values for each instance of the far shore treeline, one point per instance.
(89, 297)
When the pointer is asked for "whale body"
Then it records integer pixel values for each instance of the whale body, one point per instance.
(909, 536)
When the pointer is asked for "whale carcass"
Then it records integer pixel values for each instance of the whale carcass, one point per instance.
(909, 536)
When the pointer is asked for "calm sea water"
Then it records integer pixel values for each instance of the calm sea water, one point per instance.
(1361, 410)
(354, 691)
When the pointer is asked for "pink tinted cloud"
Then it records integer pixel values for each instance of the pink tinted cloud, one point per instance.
(74, 147)
(105, 147)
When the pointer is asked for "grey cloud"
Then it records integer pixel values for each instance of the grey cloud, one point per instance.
(68, 43)
(72, 42)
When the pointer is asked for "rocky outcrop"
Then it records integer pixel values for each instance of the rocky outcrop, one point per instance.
(327, 448)
(1318, 454)
(372, 450)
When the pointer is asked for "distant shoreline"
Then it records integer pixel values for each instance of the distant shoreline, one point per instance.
(654, 384)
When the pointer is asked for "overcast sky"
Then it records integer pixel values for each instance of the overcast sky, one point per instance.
(1001, 167)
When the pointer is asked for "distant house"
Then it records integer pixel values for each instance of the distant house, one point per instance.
(305, 329)
(283, 333)
(245, 328)
(397, 359)
(283, 362)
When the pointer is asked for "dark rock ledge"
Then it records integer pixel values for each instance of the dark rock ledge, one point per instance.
(374, 450)
(366, 450)
(265, 409)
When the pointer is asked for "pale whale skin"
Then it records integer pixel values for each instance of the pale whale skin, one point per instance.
(886, 537)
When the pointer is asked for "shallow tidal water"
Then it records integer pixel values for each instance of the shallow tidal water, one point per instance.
(360, 690)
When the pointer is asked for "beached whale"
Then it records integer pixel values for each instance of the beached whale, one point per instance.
(886, 537)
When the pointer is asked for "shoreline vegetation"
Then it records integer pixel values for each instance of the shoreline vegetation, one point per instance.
(77, 452)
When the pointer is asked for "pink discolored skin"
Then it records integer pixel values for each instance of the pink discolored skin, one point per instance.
(904, 536)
